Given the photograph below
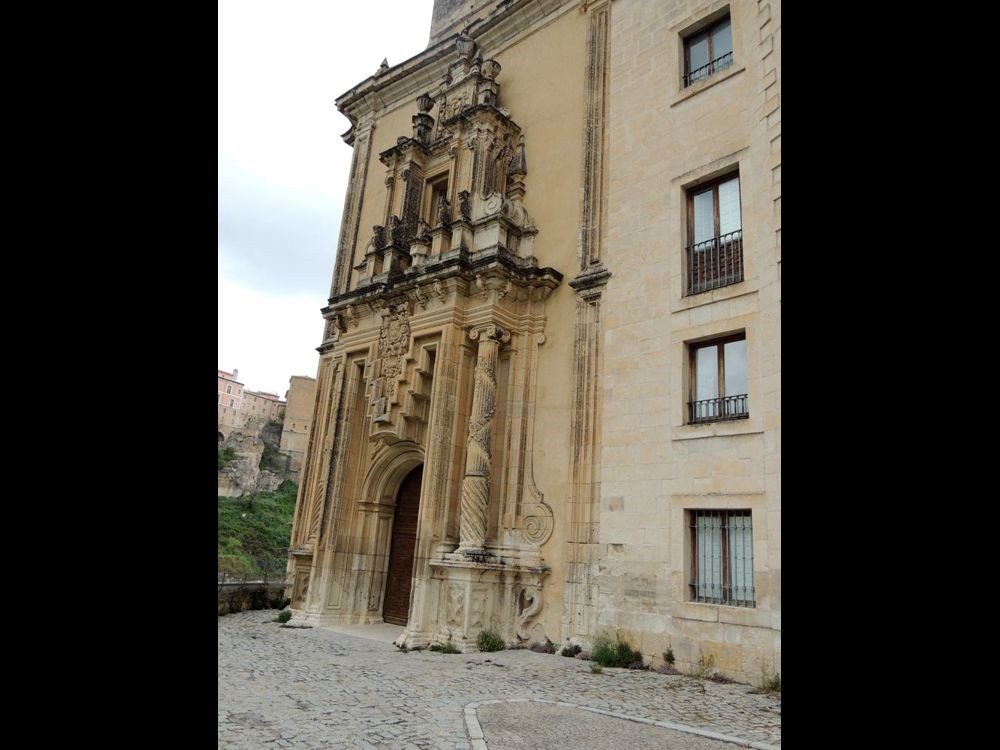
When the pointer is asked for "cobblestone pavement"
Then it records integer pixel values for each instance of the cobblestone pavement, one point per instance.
(541, 726)
(315, 688)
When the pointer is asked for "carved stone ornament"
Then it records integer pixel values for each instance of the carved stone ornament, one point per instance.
(466, 47)
(494, 203)
(490, 69)
(378, 238)
(419, 297)
(393, 344)
(529, 604)
(423, 125)
(394, 340)
(455, 600)
(465, 205)
(440, 292)
(519, 164)
(478, 457)
(538, 521)
(397, 230)
(424, 103)
(444, 211)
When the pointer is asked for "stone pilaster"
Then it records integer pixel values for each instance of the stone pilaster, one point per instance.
(476, 483)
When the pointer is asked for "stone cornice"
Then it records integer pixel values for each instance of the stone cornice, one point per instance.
(402, 147)
(458, 262)
(467, 116)
(425, 70)
(472, 564)
(591, 278)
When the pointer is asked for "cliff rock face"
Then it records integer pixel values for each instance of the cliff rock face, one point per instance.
(243, 474)
(270, 434)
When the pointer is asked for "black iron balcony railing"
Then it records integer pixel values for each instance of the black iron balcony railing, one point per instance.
(718, 409)
(715, 262)
(706, 70)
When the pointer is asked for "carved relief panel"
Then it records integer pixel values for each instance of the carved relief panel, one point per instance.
(393, 344)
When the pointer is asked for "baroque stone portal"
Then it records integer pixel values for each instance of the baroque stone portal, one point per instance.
(434, 335)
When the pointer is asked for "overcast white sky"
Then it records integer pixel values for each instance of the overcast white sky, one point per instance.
(283, 168)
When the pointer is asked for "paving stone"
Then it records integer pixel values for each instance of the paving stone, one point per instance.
(341, 691)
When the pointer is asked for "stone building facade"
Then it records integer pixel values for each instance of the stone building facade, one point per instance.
(299, 406)
(548, 395)
(263, 406)
(245, 410)
(230, 402)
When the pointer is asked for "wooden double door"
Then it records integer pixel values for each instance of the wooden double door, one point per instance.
(399, 579)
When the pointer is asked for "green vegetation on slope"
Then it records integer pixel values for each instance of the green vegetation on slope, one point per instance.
(254, 532)
(226, 457)
(271, 459)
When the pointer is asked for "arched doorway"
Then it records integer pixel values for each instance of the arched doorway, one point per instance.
(399, 578)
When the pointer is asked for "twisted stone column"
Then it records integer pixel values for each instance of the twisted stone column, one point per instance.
(476, 483)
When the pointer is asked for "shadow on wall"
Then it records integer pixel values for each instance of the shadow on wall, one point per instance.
(239, 596)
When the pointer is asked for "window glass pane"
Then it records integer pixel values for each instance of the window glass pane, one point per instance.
(736, 367)
(722, 39)
(704, 216)
(741, 558)
(698, 54)
(729, 206)
(709, 574)
(706, 368)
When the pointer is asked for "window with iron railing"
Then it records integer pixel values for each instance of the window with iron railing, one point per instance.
(708, 51)
(722, 557)
(715, 231)
(719, 380)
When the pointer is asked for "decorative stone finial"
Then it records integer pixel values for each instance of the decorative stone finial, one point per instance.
(490, 69)
(425, 102)
(465, 46)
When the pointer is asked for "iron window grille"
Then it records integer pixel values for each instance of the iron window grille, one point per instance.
(722, 557)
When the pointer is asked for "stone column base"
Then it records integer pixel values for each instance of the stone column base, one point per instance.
(472, 596)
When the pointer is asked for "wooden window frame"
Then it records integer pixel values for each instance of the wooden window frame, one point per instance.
(708, 30)
(720, 345)
(712, 185)
(724, 515)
